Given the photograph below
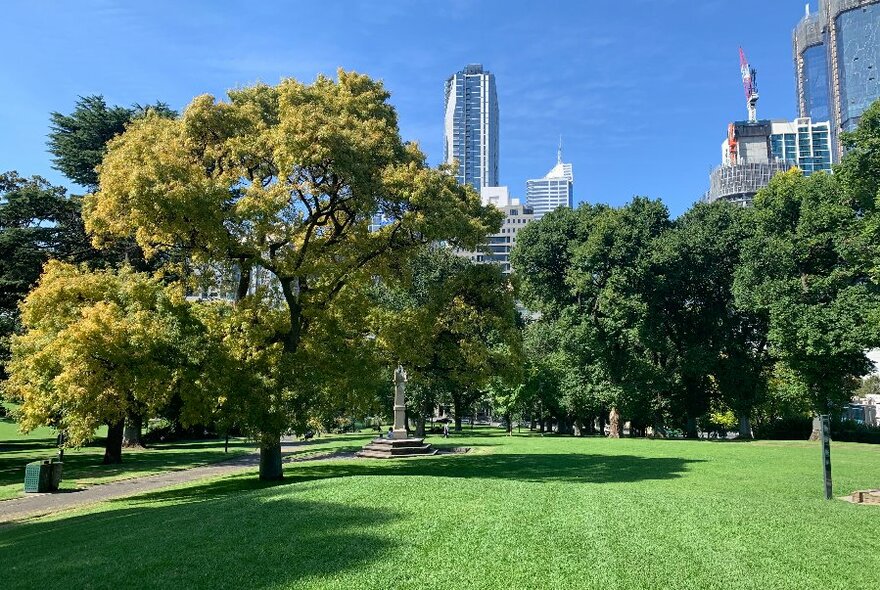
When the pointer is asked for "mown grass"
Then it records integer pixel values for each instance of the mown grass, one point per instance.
(520, 512)
(82, 467)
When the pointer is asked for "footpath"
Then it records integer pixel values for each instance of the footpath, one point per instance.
(33, 505)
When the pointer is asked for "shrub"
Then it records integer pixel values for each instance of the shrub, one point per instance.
(849, 431)
(789, 428)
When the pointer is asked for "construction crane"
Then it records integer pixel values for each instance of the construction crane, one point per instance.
(750, 85)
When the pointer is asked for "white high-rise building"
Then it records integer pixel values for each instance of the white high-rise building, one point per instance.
(555, 190)
(498, 246)
(471, 126)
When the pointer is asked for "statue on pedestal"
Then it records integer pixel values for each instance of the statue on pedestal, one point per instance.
(399, 430)
(397, 443)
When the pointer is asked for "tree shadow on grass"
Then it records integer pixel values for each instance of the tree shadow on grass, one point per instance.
(538, 467)
(236, 540)
(567, 467)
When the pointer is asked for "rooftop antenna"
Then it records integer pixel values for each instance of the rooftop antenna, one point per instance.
(559, 151)
(807, 9)
(750, 85)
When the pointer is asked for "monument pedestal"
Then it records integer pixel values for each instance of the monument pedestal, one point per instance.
(391, 448)
(399, 444)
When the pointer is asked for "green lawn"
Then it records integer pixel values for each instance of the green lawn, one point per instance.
(521, 512)
(82, 467)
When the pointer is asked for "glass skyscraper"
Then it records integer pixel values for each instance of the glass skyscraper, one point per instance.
(854, 50)
(555, 190)
(471, 126)
(837, 62)
(811, 69)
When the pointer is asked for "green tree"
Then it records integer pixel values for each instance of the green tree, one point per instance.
(99, 346)
(453, 324)
(803, 269)
(597, 303)
(38, 222)
(78, 141)
(285, 180)
(705, 344)
(859, 175)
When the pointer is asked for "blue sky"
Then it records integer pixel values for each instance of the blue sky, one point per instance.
(641, 90)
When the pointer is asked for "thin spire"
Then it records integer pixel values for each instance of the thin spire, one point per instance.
(559, 151)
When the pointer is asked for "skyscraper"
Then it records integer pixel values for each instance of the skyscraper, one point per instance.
(811, 68)
(554, 190)
(472, 126)
(847, 32)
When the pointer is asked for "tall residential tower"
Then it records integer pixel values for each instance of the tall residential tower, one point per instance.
(472, 126)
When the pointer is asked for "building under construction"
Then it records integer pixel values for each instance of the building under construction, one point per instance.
(755, 150)
(740, 183)
(837, 64)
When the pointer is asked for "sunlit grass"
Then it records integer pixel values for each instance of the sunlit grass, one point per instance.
(520, 512)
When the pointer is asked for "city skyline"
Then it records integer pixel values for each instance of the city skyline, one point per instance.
(612, 100)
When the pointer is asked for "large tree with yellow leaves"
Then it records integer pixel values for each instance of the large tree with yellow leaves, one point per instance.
(284, 180)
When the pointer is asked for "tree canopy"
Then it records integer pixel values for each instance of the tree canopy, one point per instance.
(78, 141)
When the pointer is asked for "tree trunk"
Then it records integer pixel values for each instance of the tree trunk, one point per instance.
(816, 434)
(691, 428)
(590, 426)
(614, 423)
(420, 426)
(270, 460)
(131, 436)
(113, 447)
(745, 425)
(457, 409)
(244, 281)
(658, 430)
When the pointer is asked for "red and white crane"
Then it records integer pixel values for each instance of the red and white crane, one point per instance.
(750, 85)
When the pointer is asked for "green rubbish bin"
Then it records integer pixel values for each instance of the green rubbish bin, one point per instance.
(42, 476)
(55, 480)
(38, 476)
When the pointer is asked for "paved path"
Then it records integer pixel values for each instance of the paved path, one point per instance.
(33, 505)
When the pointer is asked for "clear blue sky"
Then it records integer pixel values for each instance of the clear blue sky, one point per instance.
(641, 90)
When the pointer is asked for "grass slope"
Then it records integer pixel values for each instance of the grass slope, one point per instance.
(521, 512)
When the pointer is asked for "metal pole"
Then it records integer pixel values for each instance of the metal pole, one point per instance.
(826, 453)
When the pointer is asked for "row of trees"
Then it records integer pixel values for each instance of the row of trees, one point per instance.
(225, 269)
(752, 311)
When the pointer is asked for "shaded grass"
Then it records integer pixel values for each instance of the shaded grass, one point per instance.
(520, 512)
(82, 467)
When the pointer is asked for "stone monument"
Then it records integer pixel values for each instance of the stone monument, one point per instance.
(399, 430)
(397, 443)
